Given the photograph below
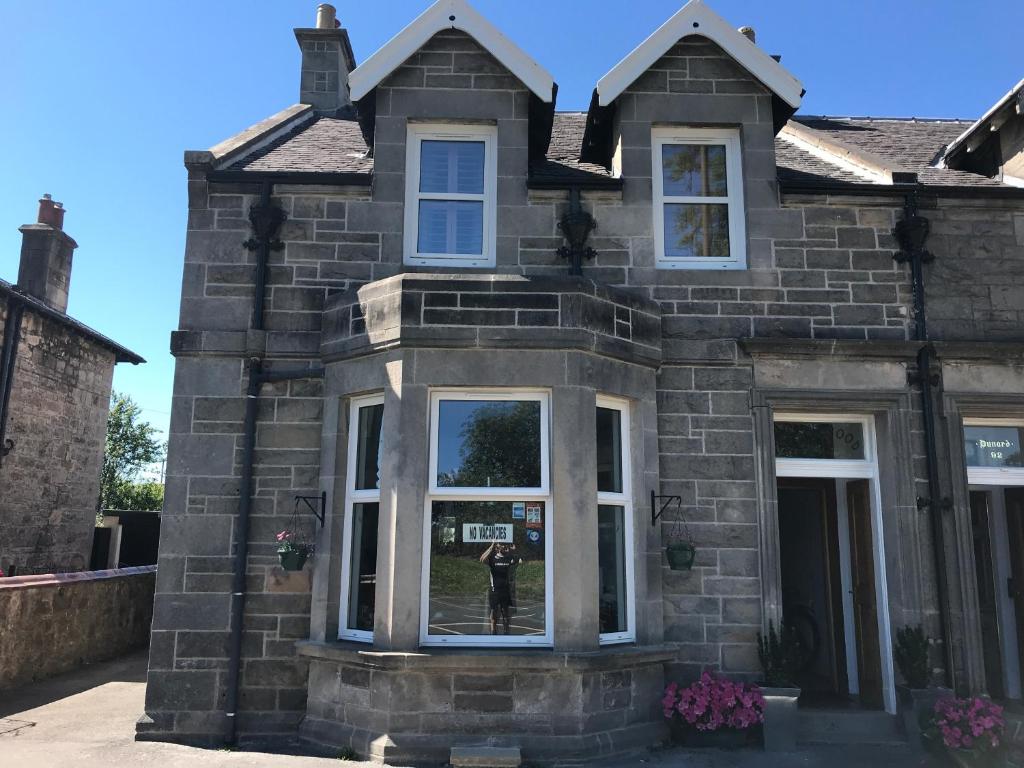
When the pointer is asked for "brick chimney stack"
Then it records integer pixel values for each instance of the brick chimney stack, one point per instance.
(327, 59)
(46, 254)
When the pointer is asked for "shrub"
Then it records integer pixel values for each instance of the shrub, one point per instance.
(714, 702)
(911, 654)
(781, 656)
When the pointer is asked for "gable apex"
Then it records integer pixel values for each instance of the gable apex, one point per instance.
(444, 15)
(695, 18)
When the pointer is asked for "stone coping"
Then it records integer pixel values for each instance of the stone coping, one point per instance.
(50, 579)
(487, 659)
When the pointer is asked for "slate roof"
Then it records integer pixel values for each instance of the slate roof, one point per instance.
(913, 143)
(121, 354)
(336, 145)
(324, 145)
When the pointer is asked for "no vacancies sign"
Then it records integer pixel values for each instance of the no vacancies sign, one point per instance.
(474, 533)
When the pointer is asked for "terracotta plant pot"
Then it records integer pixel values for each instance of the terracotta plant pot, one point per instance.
(780, 718)
(292, 559)
(680, 556)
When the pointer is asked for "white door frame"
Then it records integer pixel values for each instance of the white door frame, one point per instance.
(847, 469)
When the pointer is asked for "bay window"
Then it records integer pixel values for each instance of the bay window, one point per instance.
(487, 542)
(614, 523)
(359, 558)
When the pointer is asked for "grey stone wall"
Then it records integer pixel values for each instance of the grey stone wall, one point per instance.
(57, 623)
(50, 480)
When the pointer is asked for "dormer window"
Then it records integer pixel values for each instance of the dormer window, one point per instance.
(698, 198)
(450, 195)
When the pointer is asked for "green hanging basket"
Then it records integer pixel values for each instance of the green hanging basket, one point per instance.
(680, 555)
(292, 559)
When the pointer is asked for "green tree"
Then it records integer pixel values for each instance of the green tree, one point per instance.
(131, 445)
(501, 447)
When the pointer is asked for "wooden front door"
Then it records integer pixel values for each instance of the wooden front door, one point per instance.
(865, 600)
(988, 593)
(1015, 538)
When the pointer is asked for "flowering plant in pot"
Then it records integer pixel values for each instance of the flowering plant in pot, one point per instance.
(781, 655)
(292, 550)
(713, 711)
(971, 730)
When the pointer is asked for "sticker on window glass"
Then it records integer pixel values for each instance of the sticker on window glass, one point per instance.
(518, 510)
(533, 516)
(533, 536)
(486, 532)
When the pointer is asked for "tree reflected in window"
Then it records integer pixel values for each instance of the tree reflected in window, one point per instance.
(489, 444)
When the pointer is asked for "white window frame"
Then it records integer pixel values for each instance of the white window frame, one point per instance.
(624, 500)
(353, 497)
(542, 493)
(1005, 476)
(416, 134)
(502, 395)
(845, 468)
(730, 137)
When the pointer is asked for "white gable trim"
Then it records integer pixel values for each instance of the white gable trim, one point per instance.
(437, 18)
(695, 18)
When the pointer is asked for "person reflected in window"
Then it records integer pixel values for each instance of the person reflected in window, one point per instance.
(501, 562)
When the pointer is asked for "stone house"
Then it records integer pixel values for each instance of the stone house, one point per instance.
(55, 379)
(793, 341)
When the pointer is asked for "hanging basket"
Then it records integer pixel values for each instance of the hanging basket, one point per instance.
(292, 559)
(680, 555)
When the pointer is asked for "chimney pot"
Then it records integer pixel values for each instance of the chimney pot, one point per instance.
(749, 33)
(325, 16)
(50, 212)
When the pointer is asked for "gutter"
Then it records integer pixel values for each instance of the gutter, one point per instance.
(8, 357)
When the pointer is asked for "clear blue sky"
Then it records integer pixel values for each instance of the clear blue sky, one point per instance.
(101, 98)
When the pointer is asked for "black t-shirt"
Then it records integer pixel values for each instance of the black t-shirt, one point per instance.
(500, 565)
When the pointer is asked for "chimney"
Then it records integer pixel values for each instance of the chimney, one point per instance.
(327, 59)
(749, 33)
(46, 253)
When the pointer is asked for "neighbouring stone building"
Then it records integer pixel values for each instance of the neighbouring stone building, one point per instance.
(55, 379)
(794, 342)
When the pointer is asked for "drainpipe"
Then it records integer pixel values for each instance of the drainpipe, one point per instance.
(911, 233)
(257, 378)
(8, 356)
(266, 219)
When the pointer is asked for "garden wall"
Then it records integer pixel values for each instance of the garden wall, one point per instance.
(53, 623)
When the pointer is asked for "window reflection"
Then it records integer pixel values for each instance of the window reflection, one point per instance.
(611, 556)
(994, 446)
(487, 568)
(363, 574)
(488, 444)
(609, 450)
(819, 440)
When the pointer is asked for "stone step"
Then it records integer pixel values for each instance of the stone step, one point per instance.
(485, 757)
(841, 726)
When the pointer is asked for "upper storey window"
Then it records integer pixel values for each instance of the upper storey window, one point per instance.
(698, 198)
(450, 195)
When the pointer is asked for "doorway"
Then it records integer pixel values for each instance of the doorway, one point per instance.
(828, 589)
(831, 561)
(997, 525)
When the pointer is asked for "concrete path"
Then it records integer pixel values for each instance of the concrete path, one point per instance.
(86, 719)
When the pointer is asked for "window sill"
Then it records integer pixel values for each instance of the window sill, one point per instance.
(462, 659)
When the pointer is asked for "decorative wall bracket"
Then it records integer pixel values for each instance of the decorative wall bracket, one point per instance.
(317, 505)
(666, 502)
(266, 220)
(576, 225)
